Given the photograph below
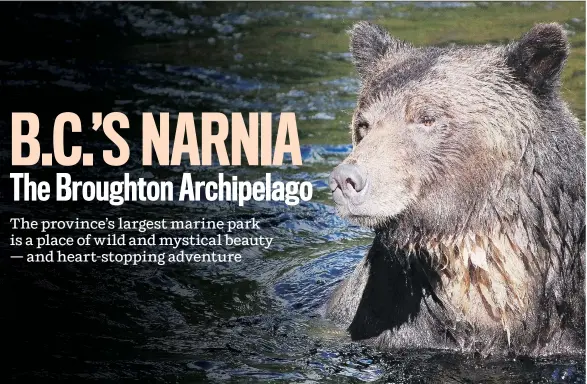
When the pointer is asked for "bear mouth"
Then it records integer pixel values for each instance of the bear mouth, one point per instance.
(374, 222)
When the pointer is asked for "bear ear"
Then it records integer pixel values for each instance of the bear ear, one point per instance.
(369, 43)
(538, 58)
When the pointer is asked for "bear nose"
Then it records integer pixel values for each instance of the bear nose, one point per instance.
(348, 178)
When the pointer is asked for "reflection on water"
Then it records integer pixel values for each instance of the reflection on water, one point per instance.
(256, 320)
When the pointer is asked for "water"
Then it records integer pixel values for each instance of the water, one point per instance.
(258, 320)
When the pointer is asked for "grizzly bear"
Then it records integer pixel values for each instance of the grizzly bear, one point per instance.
(470, 168)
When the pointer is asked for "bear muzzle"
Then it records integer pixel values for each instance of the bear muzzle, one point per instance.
(349, 185)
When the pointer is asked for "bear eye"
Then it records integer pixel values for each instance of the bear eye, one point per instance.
(427, 121)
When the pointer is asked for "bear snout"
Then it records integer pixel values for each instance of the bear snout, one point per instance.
(348, 184)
